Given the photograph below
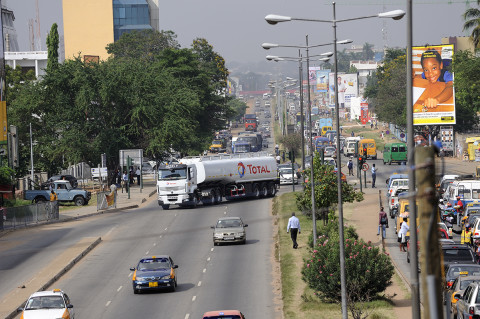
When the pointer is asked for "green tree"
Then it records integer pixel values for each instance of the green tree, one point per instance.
(52, 45)
(326, 189)
(472, 21)
(144, 44)
(238, 107)
(367, 51)
(292, 142)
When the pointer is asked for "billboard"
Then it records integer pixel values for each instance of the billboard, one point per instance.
(433, 92)
(322, 80)
(347, 89)
(312, 74)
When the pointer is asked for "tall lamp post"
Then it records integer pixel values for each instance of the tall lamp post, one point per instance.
(274, 19)
(268, 46)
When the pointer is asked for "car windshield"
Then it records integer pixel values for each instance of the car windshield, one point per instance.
(45, 302)
(464, 283)
(176, 173)
(227, 223)
(153, 264)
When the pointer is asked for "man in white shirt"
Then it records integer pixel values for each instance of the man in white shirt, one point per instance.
(294, 228)
(374, 175)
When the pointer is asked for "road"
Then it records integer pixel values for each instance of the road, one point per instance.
(209, 277)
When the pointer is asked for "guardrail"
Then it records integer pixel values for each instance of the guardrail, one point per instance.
(22, 216)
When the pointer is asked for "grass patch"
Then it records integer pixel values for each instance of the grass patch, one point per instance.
(299, 301)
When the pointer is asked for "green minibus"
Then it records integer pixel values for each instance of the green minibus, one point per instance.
(395, 153)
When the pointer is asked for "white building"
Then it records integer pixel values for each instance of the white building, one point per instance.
(33, 60)
(365, 69)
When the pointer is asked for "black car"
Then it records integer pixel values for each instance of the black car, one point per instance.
(73, 181)
(154, 273)
(459, 253)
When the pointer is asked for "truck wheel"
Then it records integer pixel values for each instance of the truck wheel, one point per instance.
(165, 207)
(256, 191)
(194, 202)
(40, 200)
(272, 190)
(264, 192)
(79, 201)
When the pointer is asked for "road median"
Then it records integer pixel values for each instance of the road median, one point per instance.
(47, 276)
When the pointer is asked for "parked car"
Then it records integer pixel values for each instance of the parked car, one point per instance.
(65, 193)
(73, 181)
(229, 230)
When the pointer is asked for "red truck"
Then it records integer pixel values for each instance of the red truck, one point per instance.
(250, 122)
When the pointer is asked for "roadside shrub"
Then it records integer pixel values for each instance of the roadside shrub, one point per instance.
(332, 228)
(368, 271)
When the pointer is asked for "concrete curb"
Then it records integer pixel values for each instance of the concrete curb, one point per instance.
(69, 266)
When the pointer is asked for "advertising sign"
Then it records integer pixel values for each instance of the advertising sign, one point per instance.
(312, 74)
(347, 89)
(433, 92)
(364, 113)
(322, 80)
(446, 137)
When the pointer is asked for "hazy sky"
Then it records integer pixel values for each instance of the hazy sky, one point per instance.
(237, 29)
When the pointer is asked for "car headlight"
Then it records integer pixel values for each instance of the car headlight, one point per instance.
(218, 235)
(165, 277)
(241, 234)
(139, 279)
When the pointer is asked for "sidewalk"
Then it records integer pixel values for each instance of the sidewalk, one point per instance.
(137, 197)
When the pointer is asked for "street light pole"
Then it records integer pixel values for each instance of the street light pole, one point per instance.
(339, 178)
(302, 125)
(312, 182)
(411, 172)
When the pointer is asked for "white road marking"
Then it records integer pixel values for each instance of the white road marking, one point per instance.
(211, 249)
(147, 252)
(154, 244)
(160, 236)
(187, 316)
(199, 283)
(208, 259)
(224, 213)
(108, 233)
(119, 288)
(194, 297)
(130, 274)
(166, 228)
(204, 270)
(175, 215)
(108, 303)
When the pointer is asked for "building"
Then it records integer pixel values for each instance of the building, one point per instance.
(460, 43)
(32, 60)
(90, 25)
(365, 69)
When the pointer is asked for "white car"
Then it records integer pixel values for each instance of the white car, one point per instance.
(48, 304)
(287, 176)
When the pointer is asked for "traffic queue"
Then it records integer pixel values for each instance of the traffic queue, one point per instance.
(458, 230)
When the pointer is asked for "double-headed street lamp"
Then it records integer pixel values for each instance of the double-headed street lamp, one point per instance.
(268, 46)
(274, 19)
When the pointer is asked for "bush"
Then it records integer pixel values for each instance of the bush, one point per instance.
(332, 228)
(368, 271)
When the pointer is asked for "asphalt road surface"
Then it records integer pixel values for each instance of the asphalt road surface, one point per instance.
(209, 277)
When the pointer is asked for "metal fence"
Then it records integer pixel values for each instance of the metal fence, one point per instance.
(106, 200)
(22, 216)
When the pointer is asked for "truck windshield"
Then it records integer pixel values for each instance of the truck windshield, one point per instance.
(242, 148)
(169, 174)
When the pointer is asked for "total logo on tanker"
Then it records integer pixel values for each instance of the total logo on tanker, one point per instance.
(252, 169)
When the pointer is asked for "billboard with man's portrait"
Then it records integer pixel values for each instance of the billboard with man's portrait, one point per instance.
(433, 91)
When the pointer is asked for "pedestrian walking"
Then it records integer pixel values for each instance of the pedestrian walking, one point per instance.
(350, 167)
(125, 181)
(278, 158)
(374, 175)
(352, 134)
(459, 208)
(382, 223)
(138, 172)
(294, 228)
(402, 235)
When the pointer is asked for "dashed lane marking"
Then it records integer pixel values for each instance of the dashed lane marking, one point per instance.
(199, 283)
(204, 270)
(108, 303)
(187, 316)
(119, 288)
(193, 298)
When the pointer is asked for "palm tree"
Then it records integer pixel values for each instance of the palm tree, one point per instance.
(368, 53)
(472, 20)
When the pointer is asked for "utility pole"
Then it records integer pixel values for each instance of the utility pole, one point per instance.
(431, 274)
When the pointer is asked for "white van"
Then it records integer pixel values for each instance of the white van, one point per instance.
(266, 96)
(349, 145)
(468, 190)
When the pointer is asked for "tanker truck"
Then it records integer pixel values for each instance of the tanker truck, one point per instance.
(209, 179)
